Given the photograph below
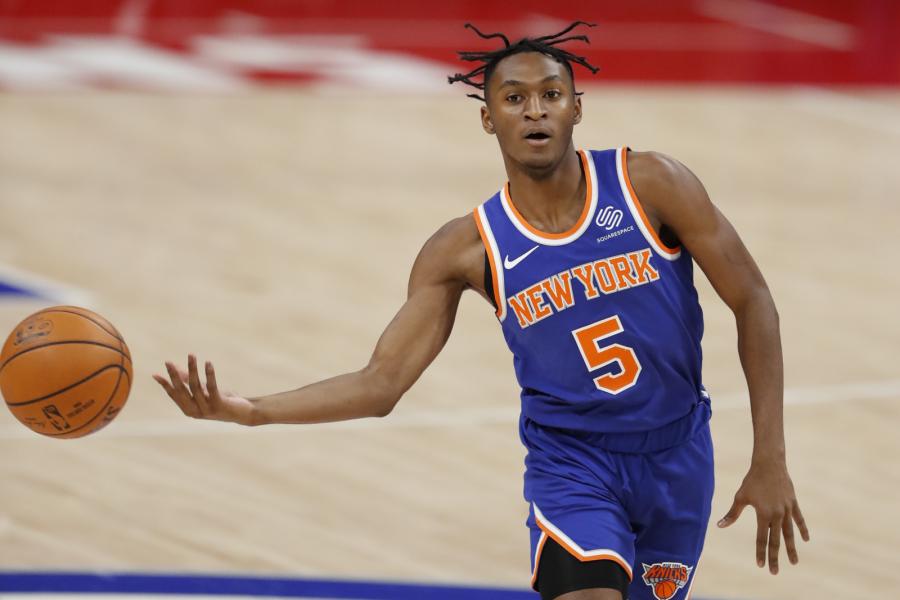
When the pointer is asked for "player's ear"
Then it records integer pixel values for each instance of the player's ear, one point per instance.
(577, 110)
(486, 121)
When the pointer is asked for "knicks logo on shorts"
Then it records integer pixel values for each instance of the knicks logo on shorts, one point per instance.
(666, 578)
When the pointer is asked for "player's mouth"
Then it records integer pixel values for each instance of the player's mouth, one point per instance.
(537, 137)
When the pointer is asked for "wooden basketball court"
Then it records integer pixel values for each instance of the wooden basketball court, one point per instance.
(272, 233)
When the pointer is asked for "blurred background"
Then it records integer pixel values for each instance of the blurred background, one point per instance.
(251, 181)
(225, 46)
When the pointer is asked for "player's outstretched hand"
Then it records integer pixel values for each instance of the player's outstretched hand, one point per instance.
(768, 489)
(204, 401)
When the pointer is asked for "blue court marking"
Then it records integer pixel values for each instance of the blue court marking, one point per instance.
(134, 583)
(17, 284)
(9, 289)
(213, 585)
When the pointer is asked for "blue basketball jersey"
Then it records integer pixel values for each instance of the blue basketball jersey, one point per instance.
(602, 320)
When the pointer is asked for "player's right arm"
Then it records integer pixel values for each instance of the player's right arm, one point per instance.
(451, 261)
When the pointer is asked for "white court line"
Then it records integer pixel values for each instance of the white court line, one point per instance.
(341, 59)
(824, 394)
(24, 69)
(135, 63)
(785, 22)
(474, 417)
(853, 110)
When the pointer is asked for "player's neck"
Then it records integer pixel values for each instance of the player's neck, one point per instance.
(548, 197)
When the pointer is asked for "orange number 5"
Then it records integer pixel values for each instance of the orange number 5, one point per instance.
(596, 356)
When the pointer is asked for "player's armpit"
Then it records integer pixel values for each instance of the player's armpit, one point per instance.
(675, 198)
(454, 253)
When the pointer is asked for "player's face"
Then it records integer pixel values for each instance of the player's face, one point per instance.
(532, 109)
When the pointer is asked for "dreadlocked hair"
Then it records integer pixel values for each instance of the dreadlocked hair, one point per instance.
(546, 45)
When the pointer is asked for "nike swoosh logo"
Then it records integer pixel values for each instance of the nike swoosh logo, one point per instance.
(509, 264)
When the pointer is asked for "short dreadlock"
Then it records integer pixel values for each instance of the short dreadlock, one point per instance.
(545, 45)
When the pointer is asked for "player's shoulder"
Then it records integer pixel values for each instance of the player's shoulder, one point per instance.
(660, 178)
(655, 168)
(454, 250)
(456, 233)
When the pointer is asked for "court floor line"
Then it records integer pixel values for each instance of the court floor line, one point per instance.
(473, 417)
(250, 587)
(25, 585)
(864, 113)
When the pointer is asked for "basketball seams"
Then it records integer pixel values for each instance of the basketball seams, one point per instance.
(115, 332)
(89, 362)
(120, 367)
(99, 412)
(26, 350)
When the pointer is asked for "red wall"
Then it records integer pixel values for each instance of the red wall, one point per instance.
(746, 41)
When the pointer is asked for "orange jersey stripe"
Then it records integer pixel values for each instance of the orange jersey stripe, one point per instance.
(584, 212)
(640, 208)
(490, 254)
(582, 558)
(537, 559)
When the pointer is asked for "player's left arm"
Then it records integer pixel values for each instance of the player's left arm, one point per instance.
(674, 199)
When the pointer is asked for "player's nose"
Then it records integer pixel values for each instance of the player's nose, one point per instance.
(534, 108)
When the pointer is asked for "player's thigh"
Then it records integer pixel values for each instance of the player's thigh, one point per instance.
(563, 575)
(670, 541)
(575, 500)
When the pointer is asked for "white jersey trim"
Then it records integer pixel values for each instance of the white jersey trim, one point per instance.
(533, 234)
(693, 578)
(496, 262)
(570, 545)
(637, 212)
(537, 556)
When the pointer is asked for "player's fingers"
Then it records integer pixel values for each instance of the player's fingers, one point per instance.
(762, 535)
(162, 381)
(774, 544)
(180, 394)
(211, 385)
(801, 522)
(165, 385)
(737, 507)
(181, 374)
(196, 387)
(178, 377)
(787, 529)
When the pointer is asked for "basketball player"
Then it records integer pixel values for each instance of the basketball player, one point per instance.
(586, 257)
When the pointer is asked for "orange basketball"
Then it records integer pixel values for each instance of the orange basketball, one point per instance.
(65, 372)
(665, 589)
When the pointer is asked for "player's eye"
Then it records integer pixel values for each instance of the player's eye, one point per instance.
(513, 98)
(552, 94)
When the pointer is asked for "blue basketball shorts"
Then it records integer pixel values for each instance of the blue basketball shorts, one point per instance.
(641, 500)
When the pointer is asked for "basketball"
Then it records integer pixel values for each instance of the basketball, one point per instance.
(65, 372)
(665, 589)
